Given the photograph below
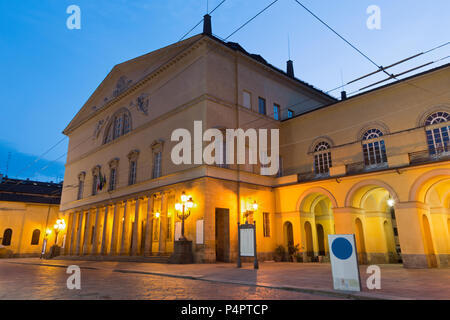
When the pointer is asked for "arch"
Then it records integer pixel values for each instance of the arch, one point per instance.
(7, 235)
(360, 241)
(421, 185)
(423, 117)
(35, 237)
(318, 140)
(372, 125)
(288, 234)
(309, 240)
(302, 201)
(321, 239)
(368, 185)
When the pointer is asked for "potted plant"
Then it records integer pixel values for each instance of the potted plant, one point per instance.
(280, 253)
(293, 252)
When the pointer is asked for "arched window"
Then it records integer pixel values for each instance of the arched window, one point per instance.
(374, 148)
(119, 125)
(35, 237)
(322, 158)
(437, 129)
(7, 235)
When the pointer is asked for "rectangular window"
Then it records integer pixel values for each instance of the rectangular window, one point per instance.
(322, 163)
(276, 111)
(94, 185)
(112, 179)
(262, 105)
(247, 99)
(290, 113)
(80, 189)
(266, 218)
(133, 169)
(157, 165)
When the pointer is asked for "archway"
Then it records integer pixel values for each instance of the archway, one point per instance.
(288, 234)
(360, 242)
(316, 216)
(432, 191)
(320, 239)
(375, 223)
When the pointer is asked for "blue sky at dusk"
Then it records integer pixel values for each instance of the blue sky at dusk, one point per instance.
(49, 71)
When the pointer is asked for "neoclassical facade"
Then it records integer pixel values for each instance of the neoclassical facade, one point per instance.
(375, 165)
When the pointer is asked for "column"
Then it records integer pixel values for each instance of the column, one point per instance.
(149, 227)
(163, 224)
(104, 245)
(87, 232)
(441, 234)
(135, 244)
(409, 216)
(125, 243)
(115, 230)
(79, 233)
(344, 219)
(68, 233)
(97, 229)
(74, 234)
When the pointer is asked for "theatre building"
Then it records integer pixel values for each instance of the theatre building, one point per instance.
(375, 165)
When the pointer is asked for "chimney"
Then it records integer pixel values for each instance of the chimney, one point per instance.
(290, 68)
(207, 29)
(343, 95)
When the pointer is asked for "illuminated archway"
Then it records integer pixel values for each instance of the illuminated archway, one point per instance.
(316, 216)
(375, 224)
(432, 190)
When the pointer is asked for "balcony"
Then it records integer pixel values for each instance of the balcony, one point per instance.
(310, 176)
(361, 167)
(425, 156)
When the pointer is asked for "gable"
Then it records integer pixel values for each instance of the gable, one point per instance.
(126, 75)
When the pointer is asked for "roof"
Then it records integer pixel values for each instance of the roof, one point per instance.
(372, 90)
(137, 69)
(17, 190)
(237, 47)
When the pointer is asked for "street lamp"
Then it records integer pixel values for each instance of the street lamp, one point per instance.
(184, 211)
(58, 226)
(251, 208)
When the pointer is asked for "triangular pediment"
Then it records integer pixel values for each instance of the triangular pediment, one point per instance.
(125, 75)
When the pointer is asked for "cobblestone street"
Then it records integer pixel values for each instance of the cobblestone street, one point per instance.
(20, 281)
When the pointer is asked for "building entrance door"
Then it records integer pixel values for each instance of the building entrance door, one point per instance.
(222, 235)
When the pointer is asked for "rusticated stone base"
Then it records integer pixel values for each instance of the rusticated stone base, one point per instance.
(444, 260)
(182, 252)
(418, 261)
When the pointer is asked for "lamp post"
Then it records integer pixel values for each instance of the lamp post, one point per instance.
(184, 211)
(58, 226)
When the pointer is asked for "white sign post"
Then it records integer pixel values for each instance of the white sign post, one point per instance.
(344, 262)
(247, 243)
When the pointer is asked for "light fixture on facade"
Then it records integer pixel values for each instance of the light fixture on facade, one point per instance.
(251, 208)
(390, 202)
(157, 214)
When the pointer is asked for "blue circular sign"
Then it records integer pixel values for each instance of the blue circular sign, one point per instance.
(342, 248)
